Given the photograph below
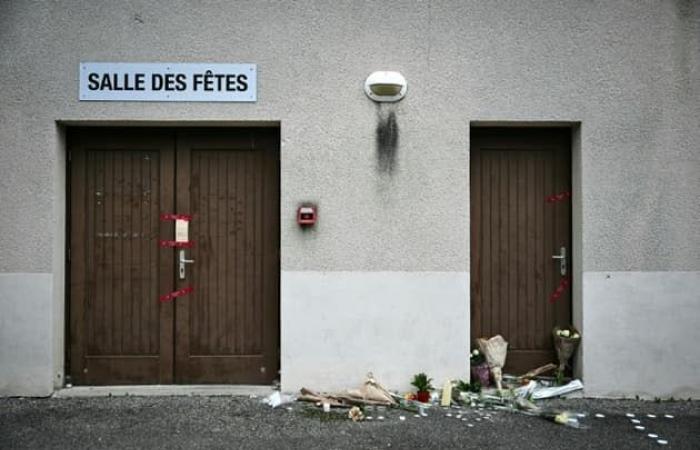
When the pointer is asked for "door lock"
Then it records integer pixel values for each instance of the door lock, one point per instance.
(183, 262)
(562, 260)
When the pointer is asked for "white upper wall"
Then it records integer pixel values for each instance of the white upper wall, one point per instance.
(629, 71)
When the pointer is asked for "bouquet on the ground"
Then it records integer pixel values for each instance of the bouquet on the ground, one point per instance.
(495, 350)
(566, 342)
(479, 370)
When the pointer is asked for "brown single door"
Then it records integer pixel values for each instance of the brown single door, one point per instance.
(120, 182)
(515, 230)
(226, 330)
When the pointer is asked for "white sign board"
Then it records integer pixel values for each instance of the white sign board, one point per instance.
(162, 82)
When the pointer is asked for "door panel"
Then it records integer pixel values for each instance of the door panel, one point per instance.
(227, 329)
(514, 233)
(119, 184)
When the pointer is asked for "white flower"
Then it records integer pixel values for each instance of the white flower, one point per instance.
(575, 336)
(565, 333)
(475, 352)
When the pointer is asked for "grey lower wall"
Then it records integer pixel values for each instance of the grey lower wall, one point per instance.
(26, 325)
(641, 334)
(338, 326)
(627, 71)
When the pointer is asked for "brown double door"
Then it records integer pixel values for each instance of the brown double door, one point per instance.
(121, 182)
(516, 229)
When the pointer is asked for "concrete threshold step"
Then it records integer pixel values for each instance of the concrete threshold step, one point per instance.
(210, 390)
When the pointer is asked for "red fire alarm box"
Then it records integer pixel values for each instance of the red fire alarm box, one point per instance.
(307, 215)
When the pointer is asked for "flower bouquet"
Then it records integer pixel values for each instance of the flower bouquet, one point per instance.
(566, 342)
(479, 369)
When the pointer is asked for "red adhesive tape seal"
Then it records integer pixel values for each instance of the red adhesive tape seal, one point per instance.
(558, 197)
(563, 285)
(185, 217)
(176, 244)
(175, 294)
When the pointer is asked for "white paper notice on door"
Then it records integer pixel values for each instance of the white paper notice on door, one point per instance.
(181, 231)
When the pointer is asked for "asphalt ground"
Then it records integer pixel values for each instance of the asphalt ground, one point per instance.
(241, 422)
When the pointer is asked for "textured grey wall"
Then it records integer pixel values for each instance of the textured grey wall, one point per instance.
(629, 71)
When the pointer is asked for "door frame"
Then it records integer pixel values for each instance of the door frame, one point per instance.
(62, 349)
(576, 259)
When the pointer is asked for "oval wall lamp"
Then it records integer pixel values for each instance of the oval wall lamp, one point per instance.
(385, 86)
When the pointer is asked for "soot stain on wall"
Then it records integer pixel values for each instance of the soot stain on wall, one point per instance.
(387, 140)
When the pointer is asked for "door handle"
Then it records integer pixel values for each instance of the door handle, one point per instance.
(562, 260)
(183, 263)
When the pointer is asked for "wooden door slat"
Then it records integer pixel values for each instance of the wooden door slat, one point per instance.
(475, 245)
(522, 301)
(513, 323)
(486, 255)
(504, 247)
